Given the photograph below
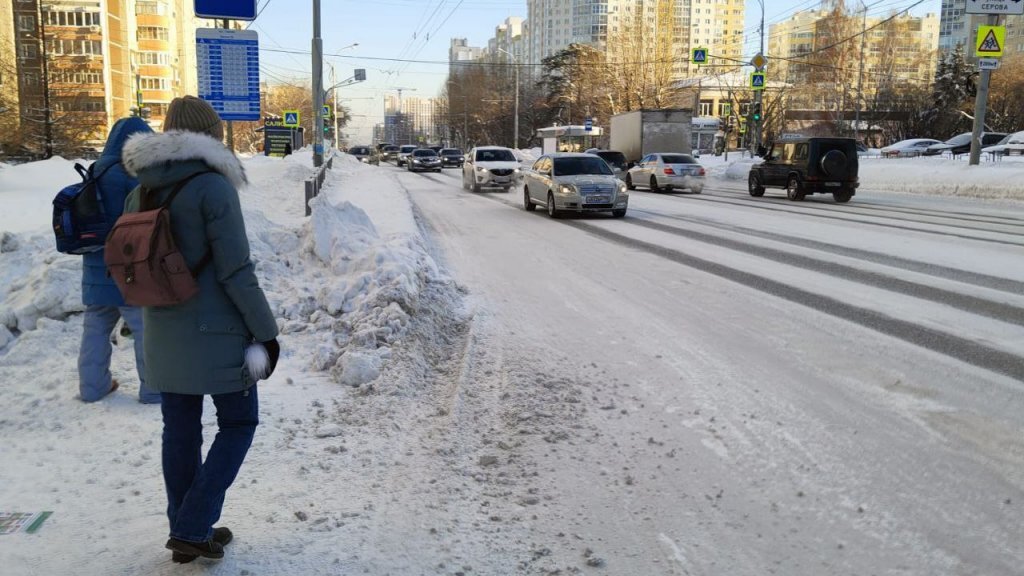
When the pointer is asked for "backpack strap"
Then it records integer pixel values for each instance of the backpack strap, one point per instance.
(208, 256)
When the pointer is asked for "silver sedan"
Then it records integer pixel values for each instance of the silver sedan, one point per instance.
(667, 171)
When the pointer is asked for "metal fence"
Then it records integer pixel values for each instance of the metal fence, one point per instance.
(314, 183)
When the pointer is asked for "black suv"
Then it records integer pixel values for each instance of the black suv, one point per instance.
(808, 166)
(452, 157)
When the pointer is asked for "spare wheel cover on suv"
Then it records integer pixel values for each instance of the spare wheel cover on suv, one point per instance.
(834, 163)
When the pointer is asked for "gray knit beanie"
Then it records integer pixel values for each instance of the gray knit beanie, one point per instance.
(191, 114)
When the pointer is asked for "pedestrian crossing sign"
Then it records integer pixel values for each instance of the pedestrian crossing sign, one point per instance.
(291, 118)
(757, 80)
(990, 41)
(327, 111)
(699, 56)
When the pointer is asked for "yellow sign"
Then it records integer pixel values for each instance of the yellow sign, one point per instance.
(758, 61)
(990, 42)
(291, 118)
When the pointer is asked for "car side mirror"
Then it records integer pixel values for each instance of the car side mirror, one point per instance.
(630, 165)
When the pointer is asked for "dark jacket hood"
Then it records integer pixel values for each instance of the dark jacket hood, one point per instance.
(119, 134)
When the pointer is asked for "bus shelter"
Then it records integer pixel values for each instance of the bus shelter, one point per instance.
(568, 138)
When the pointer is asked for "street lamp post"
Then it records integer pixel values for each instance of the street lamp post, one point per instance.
(318, 84)
(515, 113)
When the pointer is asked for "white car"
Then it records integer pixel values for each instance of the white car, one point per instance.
(404, 152)
(908, 148)
(566, 182)
(667, 171)
(490, 167)
(1010, 144)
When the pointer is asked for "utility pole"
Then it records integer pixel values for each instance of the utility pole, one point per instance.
(980, 104)
(860, 72)
(44, 55)
(515, 113)
(318, 89)
(231, 126)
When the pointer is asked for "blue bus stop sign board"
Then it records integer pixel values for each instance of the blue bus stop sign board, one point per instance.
(229, 9)
(588, 124)
(228, 63)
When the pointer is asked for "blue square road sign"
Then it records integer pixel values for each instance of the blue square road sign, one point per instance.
(227, 9)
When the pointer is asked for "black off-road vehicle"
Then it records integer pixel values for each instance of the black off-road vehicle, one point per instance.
(808, 166)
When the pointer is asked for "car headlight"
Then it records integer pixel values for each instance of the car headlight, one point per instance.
(566, 189)
(622, 187)
(516, 170)
(481, 169)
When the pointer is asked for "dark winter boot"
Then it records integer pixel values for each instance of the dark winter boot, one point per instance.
(208, 549)
(221, 536)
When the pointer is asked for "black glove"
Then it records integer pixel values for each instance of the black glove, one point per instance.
(274, 352)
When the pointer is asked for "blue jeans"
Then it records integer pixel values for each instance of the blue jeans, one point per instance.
(195, 489)
(94, 377)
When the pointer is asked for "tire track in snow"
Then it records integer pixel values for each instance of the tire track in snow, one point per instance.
(881, 207)
(937, 270)
(955, 347)
(888, 226)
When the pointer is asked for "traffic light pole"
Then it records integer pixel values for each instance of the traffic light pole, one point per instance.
(758, 95)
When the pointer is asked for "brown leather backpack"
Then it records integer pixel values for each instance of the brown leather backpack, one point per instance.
(143, 259)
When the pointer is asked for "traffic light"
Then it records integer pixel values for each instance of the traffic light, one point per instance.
(756, 112)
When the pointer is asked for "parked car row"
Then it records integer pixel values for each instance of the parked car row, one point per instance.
(991, 142)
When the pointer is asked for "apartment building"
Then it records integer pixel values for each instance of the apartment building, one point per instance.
(958, 28)
(410, 119)
(669, 27)
(9, 117)
(91, 62)
(892, 51)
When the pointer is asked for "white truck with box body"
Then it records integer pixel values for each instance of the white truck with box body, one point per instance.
(643, 132)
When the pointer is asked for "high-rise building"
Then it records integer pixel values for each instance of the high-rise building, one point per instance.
(885, 51)
(671, 28)
(410, 120)
(89, 62)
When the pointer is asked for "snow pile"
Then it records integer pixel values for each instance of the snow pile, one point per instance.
(333, 278)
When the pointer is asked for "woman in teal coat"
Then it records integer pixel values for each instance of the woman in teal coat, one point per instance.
(198, 347)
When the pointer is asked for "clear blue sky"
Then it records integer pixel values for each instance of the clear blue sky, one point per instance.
(421, 30)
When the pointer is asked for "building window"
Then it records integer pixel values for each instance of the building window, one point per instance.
(72, 18)
(30, 78)
(152, 33)
(149, 83)
(74, 47)
(28, 51)
(26, 23)
(153, 58)
(154, 8)
(89, 77)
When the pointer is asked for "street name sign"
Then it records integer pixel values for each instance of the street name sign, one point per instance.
(291, 118)
(699, 56)
(226, 9)
(228, 62)
(995, 7)
(990, 41)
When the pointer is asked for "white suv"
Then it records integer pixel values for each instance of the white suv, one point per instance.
(490, 167)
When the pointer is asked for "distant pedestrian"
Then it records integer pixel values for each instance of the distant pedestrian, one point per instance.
(198, 347)
(104, 305)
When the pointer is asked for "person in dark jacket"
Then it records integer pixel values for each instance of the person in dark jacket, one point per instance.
(198, 347)
(103, 302)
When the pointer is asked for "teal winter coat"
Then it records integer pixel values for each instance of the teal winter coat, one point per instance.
(198, 347)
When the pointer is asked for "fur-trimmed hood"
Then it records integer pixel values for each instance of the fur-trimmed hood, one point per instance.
(145, 152)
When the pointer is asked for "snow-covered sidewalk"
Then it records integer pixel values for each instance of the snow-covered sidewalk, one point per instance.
(346, 284)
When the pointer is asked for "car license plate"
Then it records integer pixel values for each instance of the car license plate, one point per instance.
(833, 183)
(596, 200)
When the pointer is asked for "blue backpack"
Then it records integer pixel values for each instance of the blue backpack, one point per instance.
(80, 223)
